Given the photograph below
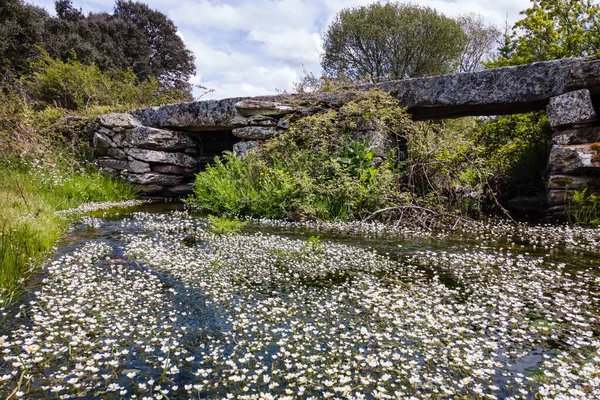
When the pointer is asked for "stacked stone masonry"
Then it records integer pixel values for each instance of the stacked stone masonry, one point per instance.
(574, 162)
(159, 149)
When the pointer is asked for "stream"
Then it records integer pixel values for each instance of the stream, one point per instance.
(148, 302)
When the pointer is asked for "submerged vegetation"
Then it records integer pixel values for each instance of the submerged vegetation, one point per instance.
(170, 309)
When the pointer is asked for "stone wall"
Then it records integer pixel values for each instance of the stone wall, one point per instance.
(574, 162)
(160, 149)
(161, 160)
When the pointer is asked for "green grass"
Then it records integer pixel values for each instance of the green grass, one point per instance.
(29, 198)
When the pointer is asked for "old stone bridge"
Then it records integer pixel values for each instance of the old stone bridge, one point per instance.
(159, 149)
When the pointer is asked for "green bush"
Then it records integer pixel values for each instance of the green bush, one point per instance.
(317, 169)
(74, 85)
(516, 148)
(583, 208)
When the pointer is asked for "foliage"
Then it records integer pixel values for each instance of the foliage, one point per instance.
(42, 161)
(391, 40)
(74, 85)
(516, 149)
(21, 28)
(318, 169)
(445, 169)
(223, 225)
(133, 37)
(552, 29)
(583, 208)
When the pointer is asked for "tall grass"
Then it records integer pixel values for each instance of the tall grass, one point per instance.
(30, 195)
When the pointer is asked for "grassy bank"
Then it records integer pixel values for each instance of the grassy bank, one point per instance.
(44, 164)
(30, 195)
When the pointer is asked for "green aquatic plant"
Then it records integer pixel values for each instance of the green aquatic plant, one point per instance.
(583, 208)
(224, 225)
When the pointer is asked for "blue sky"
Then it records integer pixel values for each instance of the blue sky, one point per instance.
(257, 47)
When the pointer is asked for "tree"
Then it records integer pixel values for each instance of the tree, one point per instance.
(21, 29)
(552, 29)
(161, 52)
(392, 40)
(481, 40)
(134, 36)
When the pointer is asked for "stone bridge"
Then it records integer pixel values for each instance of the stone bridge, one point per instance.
(161, 148)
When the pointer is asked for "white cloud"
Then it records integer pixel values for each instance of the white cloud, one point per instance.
(296, 45)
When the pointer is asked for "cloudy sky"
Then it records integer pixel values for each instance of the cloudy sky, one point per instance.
(255, 47)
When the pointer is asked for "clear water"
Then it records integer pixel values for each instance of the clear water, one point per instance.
(146, 302)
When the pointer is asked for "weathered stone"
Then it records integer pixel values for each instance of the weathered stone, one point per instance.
(256, 132)
(158, 139)
(105, 131)
(283, 123)
(150, 189)
(111, 163)
(573, 182)
(163, 157)
(495, 91)
(101, 144)
(117, 153)
(208, 115)
(152, 178)
(577, 136)
(191, 151)
(179, 190)
(167, 169)
(250, 107)
(119, 120)
(119, 140)
(261, 120)
(558, 197)
(571, 108)
(138, 167)
(575, 158)
(242, 148)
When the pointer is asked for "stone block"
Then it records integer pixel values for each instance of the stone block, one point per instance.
(249, 108)
(150, 189)
(179, 190)
(262, 120)
(571, 108)
(118, 120)
(283, 123)
(105, 162)
(163, 157)
(573, 182)
(242, 148)
(256, 132)
(101, 144)
(579, 158)
(117, 153)
(558, 197)
(158, 139)
(138, 167)
(153, 178)
(167, 169)
(590, 134)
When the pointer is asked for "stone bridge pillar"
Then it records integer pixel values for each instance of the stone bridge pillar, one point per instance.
(574, 162)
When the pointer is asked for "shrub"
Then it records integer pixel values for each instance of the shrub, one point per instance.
(317, 169)
(74, 85)
(583, 208)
